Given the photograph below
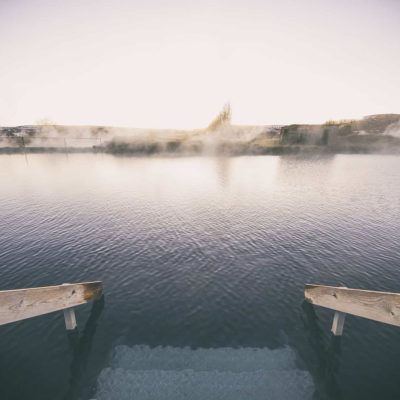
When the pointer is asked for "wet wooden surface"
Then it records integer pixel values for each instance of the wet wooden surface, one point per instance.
(378, 306)
(19, 304)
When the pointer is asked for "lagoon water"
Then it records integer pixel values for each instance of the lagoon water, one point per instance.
(203, 262)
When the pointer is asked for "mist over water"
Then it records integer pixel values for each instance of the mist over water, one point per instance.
(198, 254)
(393, 129)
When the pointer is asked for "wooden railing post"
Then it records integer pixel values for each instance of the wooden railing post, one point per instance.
(20, 304)
(377, 306)
(338, 323)
(70, 319)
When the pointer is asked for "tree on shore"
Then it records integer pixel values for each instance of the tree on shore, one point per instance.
(223, 118)
(47, 126)
(45, 122)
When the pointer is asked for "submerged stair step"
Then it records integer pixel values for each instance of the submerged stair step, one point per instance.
(222, 359)
(121, 384)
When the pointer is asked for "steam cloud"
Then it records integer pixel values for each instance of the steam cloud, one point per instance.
(393, 129)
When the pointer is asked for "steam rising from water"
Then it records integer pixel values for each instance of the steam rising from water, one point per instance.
(393, 129)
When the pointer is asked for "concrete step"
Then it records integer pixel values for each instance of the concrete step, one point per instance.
(222, 359)
(121, 384)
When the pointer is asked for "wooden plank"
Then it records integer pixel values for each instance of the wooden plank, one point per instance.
(19, 304)
(70, 319)
(378, 306)
(338, 323)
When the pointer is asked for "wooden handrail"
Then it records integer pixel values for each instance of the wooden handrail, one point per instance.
(19, 304)
(378, 306)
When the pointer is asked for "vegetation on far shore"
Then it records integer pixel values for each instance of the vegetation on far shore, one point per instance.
(373, 134)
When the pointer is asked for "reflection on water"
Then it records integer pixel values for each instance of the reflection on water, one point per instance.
(99, 169)
(199, 252)
(81, 345)
(223, 170)
(327, 350)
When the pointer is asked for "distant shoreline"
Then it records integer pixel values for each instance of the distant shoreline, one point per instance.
(276, 150)
(374, 134)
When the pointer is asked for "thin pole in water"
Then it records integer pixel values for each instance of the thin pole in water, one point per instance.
(338, 323)
(65, 147)
(24, 147)
(70, 319)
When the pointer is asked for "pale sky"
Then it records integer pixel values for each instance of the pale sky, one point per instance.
(175, 63)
